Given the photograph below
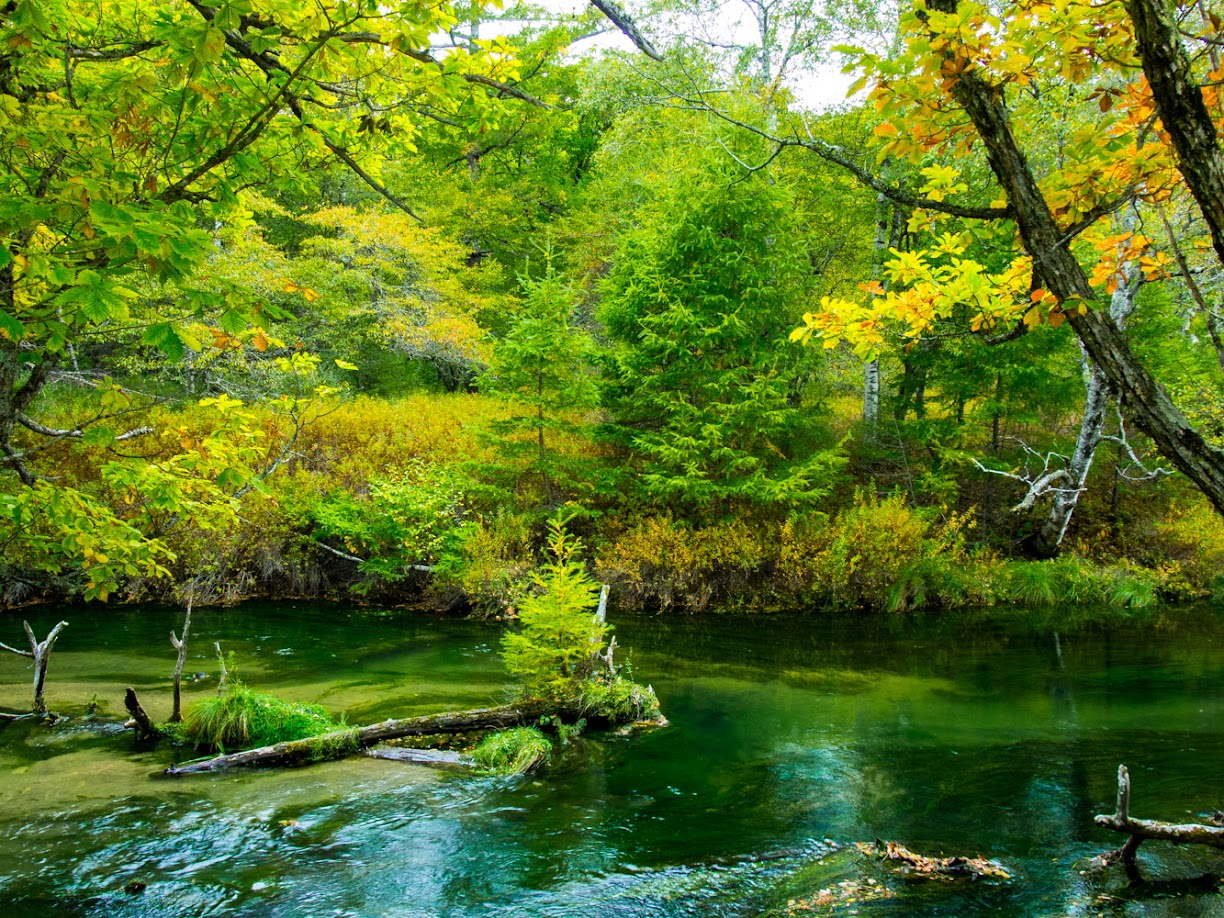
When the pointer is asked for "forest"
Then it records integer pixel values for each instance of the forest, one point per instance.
(721, 319)
(301, 306)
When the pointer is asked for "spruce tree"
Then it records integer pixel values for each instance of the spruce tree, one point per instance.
(540, 368)
(701, 384)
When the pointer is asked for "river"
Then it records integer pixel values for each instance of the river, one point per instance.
(978, 733)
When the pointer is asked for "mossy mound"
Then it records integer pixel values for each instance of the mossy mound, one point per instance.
(243, 718)
(512, 752)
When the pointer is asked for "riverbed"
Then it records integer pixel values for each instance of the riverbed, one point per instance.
(992, 733)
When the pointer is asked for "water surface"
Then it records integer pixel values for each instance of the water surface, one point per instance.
(997, 734)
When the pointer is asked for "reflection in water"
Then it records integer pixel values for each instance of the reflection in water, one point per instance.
(960, 734)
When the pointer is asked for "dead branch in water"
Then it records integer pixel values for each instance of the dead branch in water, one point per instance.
(1141, 830)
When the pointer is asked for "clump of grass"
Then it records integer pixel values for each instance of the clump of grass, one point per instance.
(618, 700)
(243, 718)
(512, 752)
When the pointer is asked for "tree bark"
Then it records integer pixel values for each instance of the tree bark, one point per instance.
(223, 679)
(1058, 271)
(1049, 537)
(871, 368)
(1183, 114)
(343, 743)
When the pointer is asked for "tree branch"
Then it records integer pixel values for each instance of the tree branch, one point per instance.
(621, 20)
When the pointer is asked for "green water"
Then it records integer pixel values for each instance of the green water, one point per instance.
(997, 735)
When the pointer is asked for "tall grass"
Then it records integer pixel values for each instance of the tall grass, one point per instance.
(512, 752)
(243, 718)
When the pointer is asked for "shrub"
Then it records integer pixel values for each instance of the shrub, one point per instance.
(1190, 542)
(489, 561)
(404, 521)
(243, 718)
(512, 752)
(860, 558)
(666, 562)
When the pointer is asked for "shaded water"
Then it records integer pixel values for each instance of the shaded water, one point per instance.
(963, 734)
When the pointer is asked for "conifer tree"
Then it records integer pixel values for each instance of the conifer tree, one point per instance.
(699, 385)
(540, 368)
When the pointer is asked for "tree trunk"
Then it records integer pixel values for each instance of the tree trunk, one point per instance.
(1183, 114)
(343, 743)
(223, 679)
(140, 721)
(1146, 402)
(176, 715)
(1049, 537)
(871, 398)
(871, 368)
(40, 653)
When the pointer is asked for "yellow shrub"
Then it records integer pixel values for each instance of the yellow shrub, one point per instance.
(659, 561)
(1189, 549)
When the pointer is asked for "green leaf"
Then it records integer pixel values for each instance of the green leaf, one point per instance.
(98, 436)
(233, 322)
(10, 327)
(165, 338)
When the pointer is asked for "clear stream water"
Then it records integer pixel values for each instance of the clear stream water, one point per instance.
(997, 734)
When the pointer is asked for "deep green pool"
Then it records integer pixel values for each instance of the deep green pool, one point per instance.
(995, 734)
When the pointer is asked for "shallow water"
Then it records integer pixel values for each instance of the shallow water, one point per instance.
(995, 734)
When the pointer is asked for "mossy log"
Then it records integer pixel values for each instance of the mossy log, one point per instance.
(342, 743)
(1141, 830)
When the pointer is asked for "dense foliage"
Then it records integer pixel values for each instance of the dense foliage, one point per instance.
(295, 300)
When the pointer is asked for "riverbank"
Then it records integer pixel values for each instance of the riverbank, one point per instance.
(413, 502)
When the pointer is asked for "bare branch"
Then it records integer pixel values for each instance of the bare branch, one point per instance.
(1144, 473)
(338, 553)
(1040, 483)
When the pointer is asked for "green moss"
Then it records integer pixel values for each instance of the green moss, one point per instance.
(243, 718)
(512, 752)
(334, 745)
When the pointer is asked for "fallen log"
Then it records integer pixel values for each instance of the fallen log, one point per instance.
(419, 756)
(1141, 830)
(342, 743)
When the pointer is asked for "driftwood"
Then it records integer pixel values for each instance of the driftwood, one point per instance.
(343, 743)
(600, 660)
(40, 653)
(1141, 830)
(224, 678)
(140, 722)
(914, 866)
(180, 645)
(419, 756)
